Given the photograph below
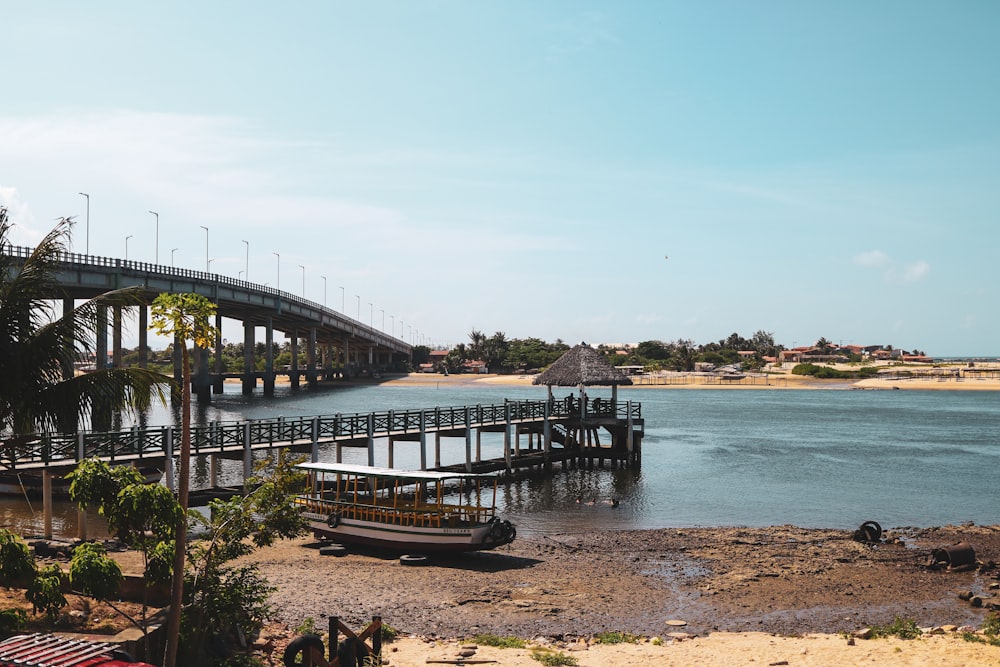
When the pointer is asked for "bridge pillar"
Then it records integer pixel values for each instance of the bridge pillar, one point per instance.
(269, 357)
(218, 381)
(201, 383)
(143, 336)
(249, 367)
(67, 313)
(116, 337)
(311, 358)
(347, 357)
(293, 373)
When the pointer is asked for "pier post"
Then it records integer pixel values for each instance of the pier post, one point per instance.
(371, 438)
(213, 470)
(247, 458)
(468, 440)
(506, 437)
(168, 456)
(46, 503)
(423, 440)
(390, 455)
(437, 449)
(314, 449)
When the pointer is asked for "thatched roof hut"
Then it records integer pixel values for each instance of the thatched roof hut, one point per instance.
(582, 366)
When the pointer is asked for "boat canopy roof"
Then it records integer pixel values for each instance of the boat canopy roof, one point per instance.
(388, 473)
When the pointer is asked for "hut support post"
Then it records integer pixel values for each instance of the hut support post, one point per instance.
(371, 438)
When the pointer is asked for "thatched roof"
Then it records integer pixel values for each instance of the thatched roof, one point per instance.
(582, 365)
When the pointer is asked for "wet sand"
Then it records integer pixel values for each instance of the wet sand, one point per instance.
(714, 595)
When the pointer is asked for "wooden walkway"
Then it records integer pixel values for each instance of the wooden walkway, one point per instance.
(564, 423)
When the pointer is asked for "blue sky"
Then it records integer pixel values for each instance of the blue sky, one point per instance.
(811, 169)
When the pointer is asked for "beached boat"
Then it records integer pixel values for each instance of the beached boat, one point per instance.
(29, 483)
(410, 511)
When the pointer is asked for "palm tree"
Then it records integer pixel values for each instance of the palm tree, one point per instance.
(38, 345)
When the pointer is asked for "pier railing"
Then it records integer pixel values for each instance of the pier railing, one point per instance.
(137, 443)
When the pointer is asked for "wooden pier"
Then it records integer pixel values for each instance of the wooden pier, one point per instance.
(536, 434)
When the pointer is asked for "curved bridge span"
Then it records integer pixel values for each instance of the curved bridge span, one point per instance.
(334, 343)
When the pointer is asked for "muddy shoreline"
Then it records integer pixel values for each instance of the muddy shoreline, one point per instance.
(783, 580)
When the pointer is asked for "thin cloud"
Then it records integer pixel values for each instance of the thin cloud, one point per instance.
(916, 271)
(872, 258)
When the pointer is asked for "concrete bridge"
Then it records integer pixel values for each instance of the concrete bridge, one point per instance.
(328, 336)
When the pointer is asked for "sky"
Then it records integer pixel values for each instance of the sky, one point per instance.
(566, 170)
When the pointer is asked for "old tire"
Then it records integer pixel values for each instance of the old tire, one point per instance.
(333, 550)
(412, 559)
(352, 653)
(333, 520)
(295, 653)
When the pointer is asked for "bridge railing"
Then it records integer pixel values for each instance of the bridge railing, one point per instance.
(149, 442)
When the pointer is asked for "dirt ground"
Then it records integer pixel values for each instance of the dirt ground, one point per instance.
(783, 580)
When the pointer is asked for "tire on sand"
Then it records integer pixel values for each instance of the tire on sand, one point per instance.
(295, 653)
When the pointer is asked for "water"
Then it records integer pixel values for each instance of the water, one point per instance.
(811, 458)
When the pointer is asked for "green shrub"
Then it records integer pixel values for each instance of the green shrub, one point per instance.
(991, 625)
(12, 621)
(389, 633)
(904, 628)
(45, 592)
(553, 658)
(615, 637)
(499, 642)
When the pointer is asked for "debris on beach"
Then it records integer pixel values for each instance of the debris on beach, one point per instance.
(960, 557)
(870, 532)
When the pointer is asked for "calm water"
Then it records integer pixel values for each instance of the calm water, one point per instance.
(736, 457)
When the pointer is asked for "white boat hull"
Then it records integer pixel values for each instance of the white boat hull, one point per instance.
(418, 539)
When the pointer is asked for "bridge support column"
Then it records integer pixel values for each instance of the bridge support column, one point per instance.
(218, 381)
(143, 336)
(116, 337)
(249, 367)
(293, 374)
(347, 357)
(201, 383)
(269, 357)
(311, 358)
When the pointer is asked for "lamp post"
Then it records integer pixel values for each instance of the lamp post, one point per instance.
(247, 271)
(126, 246)
(87, 250)
(172, 251)
(382, 310)
(371, 316)
(358, 297)
(156, 256)
(303, 280)
(392, 325)
(239, 276)
(278, 282)
(324, 290)
(206, 247)
(342, 300)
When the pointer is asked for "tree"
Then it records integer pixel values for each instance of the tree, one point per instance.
(185, 317)
(38, 346)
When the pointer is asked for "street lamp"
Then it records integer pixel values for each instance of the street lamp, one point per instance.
(382, 310)
(87, 251)
(206, 247)
(126, 246)
(392, 324)
(342, 300)
(239, 276)
(371, 315)
(247, 272)
(303, 280)
(157, 244)
(172, 251)
(324, 290)
(358, 297)
(278, 282)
